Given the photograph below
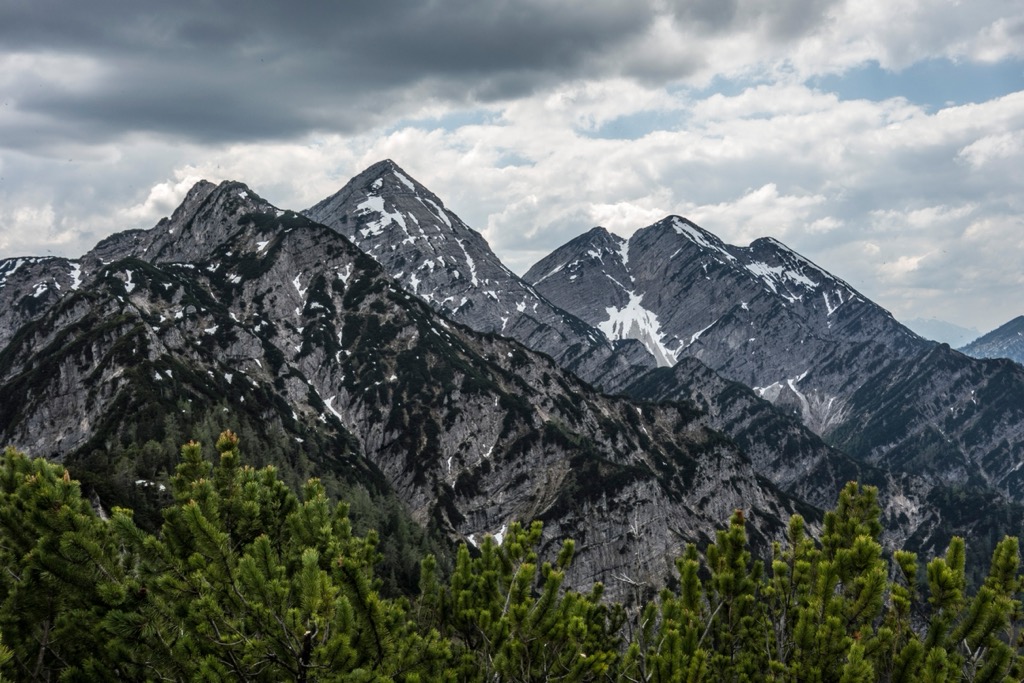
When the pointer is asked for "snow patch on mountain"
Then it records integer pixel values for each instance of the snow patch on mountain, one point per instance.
(329, 403)
(76, 275)
(438, 211)
(11, 270)
(699, 237)
(404, 180)
(345, 274)
(298, 286)
(554, 270)
(469, 263)
(696, 335)
(374, 204)
(820, 411)
(777, 276)
(832, 308)
(633, 321)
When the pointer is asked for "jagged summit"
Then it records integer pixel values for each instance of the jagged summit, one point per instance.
(596, 241)
(597, 246)
(198, 192)
(435, 255)
(384, 199)
(762, 315)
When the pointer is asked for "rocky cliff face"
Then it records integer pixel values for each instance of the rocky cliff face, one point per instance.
(283, 323)
(922, 508)
(760, 315)
(1006, 341)
(29, 286)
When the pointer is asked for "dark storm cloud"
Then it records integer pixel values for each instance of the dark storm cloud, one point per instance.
(263, 70)
(782, 20)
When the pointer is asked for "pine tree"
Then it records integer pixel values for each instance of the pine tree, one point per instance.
(508, 617)
(847, 580)
(63, 572)
(981, 637)
(785, 593)
(734, 633)
(668, 643)
(248, 582)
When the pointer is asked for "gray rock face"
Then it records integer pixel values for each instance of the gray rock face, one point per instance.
(760, 315)
(435, 255)
(275, 316)
(1006, 341)
(29, 286)
(799, 462)
(802, 339)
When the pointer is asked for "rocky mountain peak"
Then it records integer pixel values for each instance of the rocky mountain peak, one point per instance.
(1006, 341)
(383, 204)
(791, 275)
(435, 255)
(388, 173)
(206, 218)
(596, 248)
(762, 315)
(196, 194)
(705, 240)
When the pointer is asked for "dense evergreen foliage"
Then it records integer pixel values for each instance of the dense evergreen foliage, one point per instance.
(247, 580)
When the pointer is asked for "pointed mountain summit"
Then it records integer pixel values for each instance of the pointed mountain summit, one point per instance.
(30, 286)
(1006, 341)
(761, 315)
(435, 255)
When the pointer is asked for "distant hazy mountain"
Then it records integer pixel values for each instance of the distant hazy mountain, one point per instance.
(1006, 341)
(942, 331)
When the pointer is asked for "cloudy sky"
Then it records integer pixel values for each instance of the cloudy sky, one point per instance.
(883, 139)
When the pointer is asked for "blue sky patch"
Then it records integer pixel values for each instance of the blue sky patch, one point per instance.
(635, 126)
(933, 84)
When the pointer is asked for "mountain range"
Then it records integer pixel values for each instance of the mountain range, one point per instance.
(942, 331)
(630, 393)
